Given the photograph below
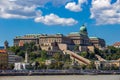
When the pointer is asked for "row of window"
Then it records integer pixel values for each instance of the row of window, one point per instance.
(50, 40)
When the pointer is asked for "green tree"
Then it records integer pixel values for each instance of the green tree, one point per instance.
(84, 54)
(30, 46)
(91, 65)
(21, 53)
(11, 66)
(76, 48)
(43, 54)
(57, 56)
(14, 49)
(91, 56)
(42, 66)
(112, 49)
(65, 57)
(32, 56)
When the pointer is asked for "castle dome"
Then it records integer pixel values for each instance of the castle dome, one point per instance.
(83, 28)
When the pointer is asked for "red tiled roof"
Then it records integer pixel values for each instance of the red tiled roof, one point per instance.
(116, 44)
(3, 51)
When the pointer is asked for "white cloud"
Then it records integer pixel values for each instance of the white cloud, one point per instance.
(9, 9)
(105, 12)
(24, 9)
(53, 19)
(42, 2)
(73, 6)
(28, 9)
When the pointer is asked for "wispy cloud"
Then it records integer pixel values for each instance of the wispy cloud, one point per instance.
(105, 12)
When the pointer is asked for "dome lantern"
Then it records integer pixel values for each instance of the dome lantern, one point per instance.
(83, 30)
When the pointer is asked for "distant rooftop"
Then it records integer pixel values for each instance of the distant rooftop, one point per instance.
(52, 35)
(38, 35)
(29, 35)
(2, 51)
(93, 37)
(116, 44)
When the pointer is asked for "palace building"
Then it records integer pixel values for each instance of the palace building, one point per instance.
(60, 42)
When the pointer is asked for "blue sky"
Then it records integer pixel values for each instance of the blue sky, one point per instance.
(20, 17)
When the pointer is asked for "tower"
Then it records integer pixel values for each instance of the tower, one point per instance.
(84, 34)
(26, 57)
(6, 44)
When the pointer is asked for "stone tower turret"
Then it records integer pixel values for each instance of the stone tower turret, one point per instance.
(6, 44)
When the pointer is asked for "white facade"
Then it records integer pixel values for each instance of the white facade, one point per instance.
(21, 66)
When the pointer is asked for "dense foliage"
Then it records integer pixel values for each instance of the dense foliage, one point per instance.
(62, 61)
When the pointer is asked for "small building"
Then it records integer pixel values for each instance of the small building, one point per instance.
(12, 58)
(116, 44)
(107, 64)
(22, 65)
(3, 59)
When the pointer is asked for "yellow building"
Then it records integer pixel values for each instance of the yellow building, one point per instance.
(3, 59)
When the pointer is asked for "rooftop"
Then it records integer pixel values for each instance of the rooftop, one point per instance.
(3, 51)
(116, 44)
(93, 37)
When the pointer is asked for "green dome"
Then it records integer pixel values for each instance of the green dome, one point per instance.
(83, 28)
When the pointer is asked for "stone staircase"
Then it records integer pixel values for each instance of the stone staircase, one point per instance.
(78, 58)
(100, 58)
